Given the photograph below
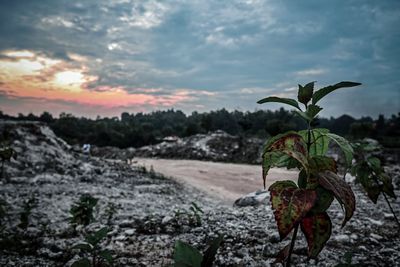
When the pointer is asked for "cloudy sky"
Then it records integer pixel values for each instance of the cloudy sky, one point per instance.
(108, 56)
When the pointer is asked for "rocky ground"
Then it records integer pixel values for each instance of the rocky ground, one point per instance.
(216, 146)
(152, 212)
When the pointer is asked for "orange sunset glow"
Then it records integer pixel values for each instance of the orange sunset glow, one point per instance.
(27, 74)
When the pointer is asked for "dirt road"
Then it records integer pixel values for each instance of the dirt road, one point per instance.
(225, 181)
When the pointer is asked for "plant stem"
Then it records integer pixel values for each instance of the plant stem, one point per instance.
(296, 228)
(388, 202)
(391, 209)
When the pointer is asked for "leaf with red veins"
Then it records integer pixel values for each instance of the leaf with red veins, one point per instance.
(290, 205)
(341, 190)
(317, 230)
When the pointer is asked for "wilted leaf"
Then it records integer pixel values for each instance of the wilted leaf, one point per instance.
(305, 93)
(317, 230)
(209, 254)
(186, 255)
(341, 190)
(290, 204)
(387, 185)
(275, 99)
(81, 263)
(344, 146)
(326, 90)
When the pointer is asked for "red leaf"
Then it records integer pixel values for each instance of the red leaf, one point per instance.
(341, 190)
(282, 146)
(317, 229)
(290, 205)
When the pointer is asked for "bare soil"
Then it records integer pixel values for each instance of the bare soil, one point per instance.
(224, 181)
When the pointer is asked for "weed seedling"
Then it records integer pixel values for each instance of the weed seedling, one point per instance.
(110, 212)
(195, 217)
(348, 258)
(6, 154)
(186, 255)
(92, 249)
(305, 204)
(82, 210)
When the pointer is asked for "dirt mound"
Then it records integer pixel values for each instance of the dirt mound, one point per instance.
(216, 146)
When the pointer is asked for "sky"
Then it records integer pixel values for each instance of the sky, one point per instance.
(105, 57)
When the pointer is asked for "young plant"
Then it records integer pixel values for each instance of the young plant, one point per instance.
(26, 212)
(6, 153)
(370, 173)
(187, 256)
(110, 212)
(82, 210)
(92, 249)
(348, 258)
(196, 211)
(305, 204)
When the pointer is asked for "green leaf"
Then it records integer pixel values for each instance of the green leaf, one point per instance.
(83, 246)
(341, 190)
(326, 90)
(317, 229)
(106, 254)
(95, 238)
(344, 146)
(186, 255)
(196, 207)
(324, 200)
(322, 163)
(291, 144)
(304, 115)
(305, 93)
(287, 101)
(209, 254)
(375, 164)
(312, 111)
(290, 205)
(81, 263)
(319, 141)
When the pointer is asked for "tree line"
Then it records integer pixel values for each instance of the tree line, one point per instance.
(140, 129)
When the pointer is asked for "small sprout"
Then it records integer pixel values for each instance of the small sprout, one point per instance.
(110, 211)
(92, 249)
(82, 210)
(6, 154)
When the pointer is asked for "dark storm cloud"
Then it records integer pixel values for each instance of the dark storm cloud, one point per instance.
(222, 46)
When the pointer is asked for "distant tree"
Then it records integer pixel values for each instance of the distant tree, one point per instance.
(46, 117)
